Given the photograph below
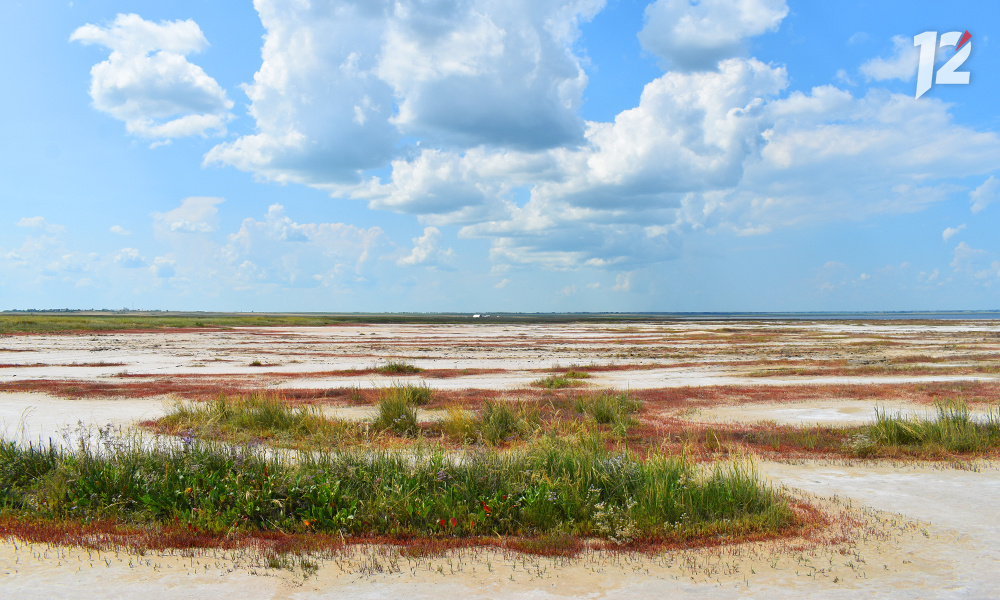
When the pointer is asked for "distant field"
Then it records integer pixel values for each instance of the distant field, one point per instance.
(45, 321)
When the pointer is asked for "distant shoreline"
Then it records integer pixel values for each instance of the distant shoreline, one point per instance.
(52, 321)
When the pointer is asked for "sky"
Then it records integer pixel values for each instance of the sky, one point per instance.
(497, 155)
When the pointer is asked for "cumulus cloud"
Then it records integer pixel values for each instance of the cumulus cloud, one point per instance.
(119, 230)
(342, 83)
(163, 267)
(696, 35)
(196, 214)
(427, 250)
(40, 223)
(278, 249)
(130, 258)
(964, 255)
(623, 282)
(717, 150)
(407, 108)
(901, 65)
(147, 81)
(986, 194)
(951, 232)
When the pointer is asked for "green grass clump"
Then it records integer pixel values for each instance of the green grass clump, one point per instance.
(397, 408)
(398, 367)
(417, 395)
(555, 382)
(398, 415)
(952, 430)
(615, 408)
(460, 425)
(497, 423)
(551, 487)
(505, 421)
(260, 417)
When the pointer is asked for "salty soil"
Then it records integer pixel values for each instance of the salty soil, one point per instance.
(897, 530)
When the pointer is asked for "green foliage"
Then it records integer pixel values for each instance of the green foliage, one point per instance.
(397, 408)
(613, 408)
(256, 417)
(397, 414)
(417, 395)
(952, 430)
(554, 382)
(398, 367)
(460, 425)
(550, 488)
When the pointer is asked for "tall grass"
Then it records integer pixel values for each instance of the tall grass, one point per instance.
(257, 417)
(551, 487)
(555, 382)
(398, 367)
(952, 430)
(397, 408)
(609, 407)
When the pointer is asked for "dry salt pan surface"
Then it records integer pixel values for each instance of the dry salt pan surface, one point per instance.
(930, 531)
(817, 412)
(649, 355)
(40, 417)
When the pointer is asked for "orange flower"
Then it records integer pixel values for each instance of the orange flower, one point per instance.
(306, 521)
(187, 491)
(454, 522)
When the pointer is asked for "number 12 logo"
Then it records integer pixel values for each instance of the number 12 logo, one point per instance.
(928, 42)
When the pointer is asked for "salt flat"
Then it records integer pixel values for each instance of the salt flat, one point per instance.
(937, 526)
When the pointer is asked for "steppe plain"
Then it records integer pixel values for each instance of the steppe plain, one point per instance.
(896, 528)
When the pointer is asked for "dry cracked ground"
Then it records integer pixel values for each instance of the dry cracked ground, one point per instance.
(897, 529)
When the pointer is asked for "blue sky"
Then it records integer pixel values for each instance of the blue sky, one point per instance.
(483, 155)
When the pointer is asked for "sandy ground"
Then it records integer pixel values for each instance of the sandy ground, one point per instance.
(927, 530)
(818, 412)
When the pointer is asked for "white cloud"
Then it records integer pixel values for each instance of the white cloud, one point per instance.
(623, 282)
(427, 250)
(950, 232)
(986, 194)
(130, 258)
(502, 283)
(163, 267)
(196, 214)
(707, 150)
(40, 223)
(341, 84)
(925, 277)
(901, 65)
(280, 250)
(964, 255)
(344, 90)
(696, 35)
(149, 84)
(119, 230)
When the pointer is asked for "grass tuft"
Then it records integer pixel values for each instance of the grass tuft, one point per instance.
(615, 408)
(952, 430)
(398, 367)
(555, 382)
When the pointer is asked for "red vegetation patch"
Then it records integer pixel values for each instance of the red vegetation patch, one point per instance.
(185, 388)
(87, 364)
(113, 536)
